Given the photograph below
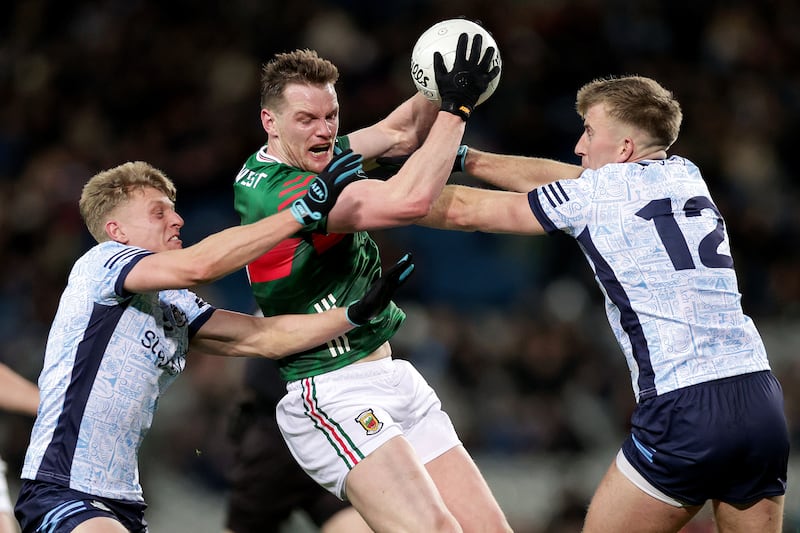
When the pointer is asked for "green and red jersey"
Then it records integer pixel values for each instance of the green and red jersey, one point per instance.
(311, 271)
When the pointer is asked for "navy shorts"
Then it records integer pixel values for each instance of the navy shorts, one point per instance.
(724, 440)
(43, 506)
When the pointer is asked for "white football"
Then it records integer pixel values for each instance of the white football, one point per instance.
(442, 37)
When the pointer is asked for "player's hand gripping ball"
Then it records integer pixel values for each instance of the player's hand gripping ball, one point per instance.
(442, 37)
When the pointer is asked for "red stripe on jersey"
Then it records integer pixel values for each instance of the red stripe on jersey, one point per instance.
(291, 186)
(324, 242)
(275, 264)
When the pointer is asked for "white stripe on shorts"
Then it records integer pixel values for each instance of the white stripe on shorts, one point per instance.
(637, 479)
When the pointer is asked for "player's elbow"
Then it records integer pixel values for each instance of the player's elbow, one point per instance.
(401, 208)
(460, 221)
(419, 207)
(459, 215)
(408, 143)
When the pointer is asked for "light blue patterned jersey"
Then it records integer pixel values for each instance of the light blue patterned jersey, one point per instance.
(661, 255)
(109, 357)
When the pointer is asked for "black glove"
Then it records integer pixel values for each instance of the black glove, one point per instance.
(398, 161)
(380, 293)
(344, 168)
(461, 88)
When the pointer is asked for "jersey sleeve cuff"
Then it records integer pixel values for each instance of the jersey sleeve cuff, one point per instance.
(538, 212)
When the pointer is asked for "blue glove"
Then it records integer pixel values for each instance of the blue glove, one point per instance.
(380, 293)
(323, 191)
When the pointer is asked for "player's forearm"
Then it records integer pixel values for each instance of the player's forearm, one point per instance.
(423, 116)
(408, 195)
(229, 250)
(212, 258)
(17, 394)
(400, 133)
(236, 335)
(421, 179)
(411, 122)
(492, 211)
(517, 173)
(451, 210)
(290, 334)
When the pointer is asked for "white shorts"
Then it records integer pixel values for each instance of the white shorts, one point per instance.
(332, 421)
(5, 499)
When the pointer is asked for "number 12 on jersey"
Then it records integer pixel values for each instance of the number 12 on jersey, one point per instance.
(660, 212)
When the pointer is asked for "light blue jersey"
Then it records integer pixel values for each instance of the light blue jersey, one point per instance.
(660, 253)
(109, 357)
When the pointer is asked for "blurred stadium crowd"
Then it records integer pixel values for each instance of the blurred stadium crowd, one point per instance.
(509, 330)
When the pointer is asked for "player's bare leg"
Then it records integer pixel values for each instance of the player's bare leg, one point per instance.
(466, 493)
(100, 524)
(392, 490)
(346, 521)
(7, 523)
(619, 505)
(764, 516)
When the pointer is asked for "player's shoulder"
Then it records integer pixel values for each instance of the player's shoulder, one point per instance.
(342, 142)
(262, 170)
(633, 171)
(108, 255)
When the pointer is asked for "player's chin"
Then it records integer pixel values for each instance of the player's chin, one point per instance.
(317, 161)
(174, 244)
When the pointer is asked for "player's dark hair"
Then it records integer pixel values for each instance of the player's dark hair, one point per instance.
(638, 101)
(299, 66)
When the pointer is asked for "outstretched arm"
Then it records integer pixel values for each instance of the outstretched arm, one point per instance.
(228, 250)
(470, 209)
(17, 394)
(516, 173)
(236, 335)
(240, 335)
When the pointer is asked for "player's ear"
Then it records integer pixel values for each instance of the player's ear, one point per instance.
(115, 232)
(268, 118)
(626, 150)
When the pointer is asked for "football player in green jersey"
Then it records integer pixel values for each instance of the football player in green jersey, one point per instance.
(364, 425)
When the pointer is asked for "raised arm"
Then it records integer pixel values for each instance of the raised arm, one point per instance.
(470, 209)
(401, 132)
(516, 173)
(409, 194)
(238, 335)
(17, 394)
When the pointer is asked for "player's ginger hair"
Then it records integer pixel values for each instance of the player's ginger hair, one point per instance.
(299, 66)
(637, 101)
(109, 188)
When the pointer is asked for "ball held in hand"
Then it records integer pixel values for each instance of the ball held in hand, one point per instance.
(442, 37)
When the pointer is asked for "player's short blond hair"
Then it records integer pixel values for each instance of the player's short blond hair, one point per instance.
(638, 101)
(108, 189)
(299, 66)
